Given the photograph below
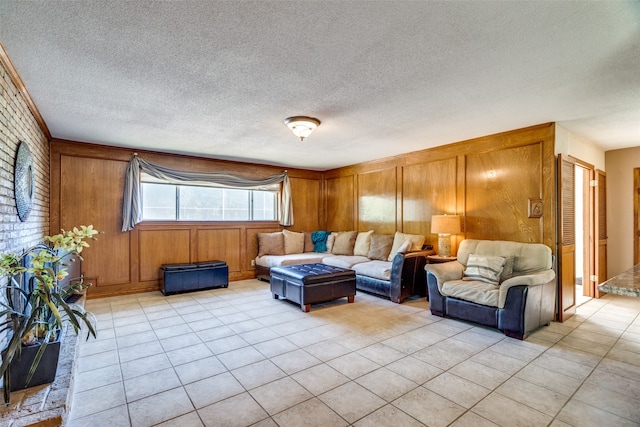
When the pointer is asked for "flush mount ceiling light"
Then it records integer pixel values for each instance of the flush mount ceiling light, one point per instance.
(302, 126)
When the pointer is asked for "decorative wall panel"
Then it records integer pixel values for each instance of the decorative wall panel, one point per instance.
(340, 203)
(499, 185)
(377, 201)
(220, 244)
(428, 189)
(159, 247)
(307, 198)
(86, 198)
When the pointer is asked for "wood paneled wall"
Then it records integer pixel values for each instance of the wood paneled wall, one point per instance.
(376, 202)
(87, 183)
(340, 204)
(307, 203)
(489, 181)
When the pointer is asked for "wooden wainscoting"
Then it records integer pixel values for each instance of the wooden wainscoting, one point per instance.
(159, 246)
(220, 244)
(170, 242)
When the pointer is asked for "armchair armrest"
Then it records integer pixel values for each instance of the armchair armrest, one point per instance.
(444, 272)
(533, 279)
(407, 275)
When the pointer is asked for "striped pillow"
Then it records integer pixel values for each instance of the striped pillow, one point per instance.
(484, 268)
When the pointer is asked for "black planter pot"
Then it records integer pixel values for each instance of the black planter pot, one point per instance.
(21, 365)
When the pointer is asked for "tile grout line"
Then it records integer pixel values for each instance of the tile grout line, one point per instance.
(595, 367)
(378, 340)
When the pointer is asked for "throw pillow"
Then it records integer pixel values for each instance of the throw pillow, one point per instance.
(380, 246)
(344, 242)
(399, 238)
(484, 268)
(308, 243)
(293, 242)
(403, 249)
(330, 239)
(363, 242)
(507, 271)
(270, 244)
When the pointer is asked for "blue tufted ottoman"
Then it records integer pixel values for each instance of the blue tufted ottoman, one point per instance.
(308, 284)
(194, 276)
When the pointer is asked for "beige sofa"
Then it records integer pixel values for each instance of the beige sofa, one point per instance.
(386, 265)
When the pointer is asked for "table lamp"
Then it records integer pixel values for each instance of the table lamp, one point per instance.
(444, 226)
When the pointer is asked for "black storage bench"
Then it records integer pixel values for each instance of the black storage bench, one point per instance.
(194, 276)
(308, 284)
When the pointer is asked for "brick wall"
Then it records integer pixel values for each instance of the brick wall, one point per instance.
(18, 124)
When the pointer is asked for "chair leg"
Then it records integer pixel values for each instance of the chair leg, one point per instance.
(515, 335)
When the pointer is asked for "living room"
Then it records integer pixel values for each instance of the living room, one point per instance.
(487, 179)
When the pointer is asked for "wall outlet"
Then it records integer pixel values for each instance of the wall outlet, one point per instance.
(253, 263)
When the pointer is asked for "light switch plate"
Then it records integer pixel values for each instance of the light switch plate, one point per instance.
(536, 208)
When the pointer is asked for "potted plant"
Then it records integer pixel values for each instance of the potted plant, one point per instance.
(33, 307)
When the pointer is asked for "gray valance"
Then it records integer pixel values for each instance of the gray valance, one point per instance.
(131, 206)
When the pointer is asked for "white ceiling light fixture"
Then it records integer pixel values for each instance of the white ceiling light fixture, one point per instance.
(302, 126)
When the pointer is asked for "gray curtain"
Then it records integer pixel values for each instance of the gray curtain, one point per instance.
(131, 213)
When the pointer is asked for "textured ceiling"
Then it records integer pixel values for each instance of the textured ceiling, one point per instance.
(216, 79)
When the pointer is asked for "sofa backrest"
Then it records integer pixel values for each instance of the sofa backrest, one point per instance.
(528, 257)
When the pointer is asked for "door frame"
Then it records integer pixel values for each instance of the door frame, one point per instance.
(594, 190)
(636, 213)
(566, 278)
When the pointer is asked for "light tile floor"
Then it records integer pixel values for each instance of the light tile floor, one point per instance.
(237, 357)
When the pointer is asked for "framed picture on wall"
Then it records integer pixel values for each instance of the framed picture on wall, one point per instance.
(23, 181)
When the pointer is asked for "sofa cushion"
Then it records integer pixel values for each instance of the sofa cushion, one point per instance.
(308, 243)
(344, 261)
(404, 248)
(484, 268)
(270, 243)
(399, 238)
(280, 260)
(376, 269)
(293, 242)
(507, 271)
(528, 257)
(473, 291)
(380, 246)
(363, 242)
(344, 242)
(331, 238)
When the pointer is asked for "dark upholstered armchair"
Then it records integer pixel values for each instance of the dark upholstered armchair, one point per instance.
(521, 299)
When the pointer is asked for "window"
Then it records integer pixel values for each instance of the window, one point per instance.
(193, 203)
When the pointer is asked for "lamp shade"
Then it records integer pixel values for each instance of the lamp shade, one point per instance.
(445, 224)
(302, 126)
